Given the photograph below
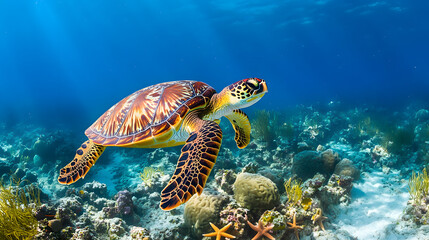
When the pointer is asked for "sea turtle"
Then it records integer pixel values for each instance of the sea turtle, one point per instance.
(171, 114)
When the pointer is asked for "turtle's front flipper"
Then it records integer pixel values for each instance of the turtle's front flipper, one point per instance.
(241, 124)
(194, 165)
(85, 157)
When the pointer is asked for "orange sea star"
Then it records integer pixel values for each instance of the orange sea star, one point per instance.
(262, 231)
(218, 233)
(318, 218)
(294, 226)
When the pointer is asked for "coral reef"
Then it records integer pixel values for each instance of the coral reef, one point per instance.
(422, 115)
(202, 210)
(346, 168)
(139, 233)
(274, 219)
(337, 191)
(255, 192)
(225, 179)
(237, 216)
(123, 205)
(299, 168)
(149, 174)
(307, 163)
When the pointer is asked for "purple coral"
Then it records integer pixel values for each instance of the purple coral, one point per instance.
(237, 216)
(124, 202)
(123, 206)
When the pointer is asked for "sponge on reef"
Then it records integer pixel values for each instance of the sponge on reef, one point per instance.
(255, 192)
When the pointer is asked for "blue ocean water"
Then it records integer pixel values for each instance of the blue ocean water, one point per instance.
(69, 61)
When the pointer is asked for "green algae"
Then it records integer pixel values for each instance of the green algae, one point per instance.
(16, 211)
(419, 185)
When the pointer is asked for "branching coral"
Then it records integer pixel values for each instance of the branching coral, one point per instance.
(293, 191)
(16, 211)
(148, 173)
(419, 185)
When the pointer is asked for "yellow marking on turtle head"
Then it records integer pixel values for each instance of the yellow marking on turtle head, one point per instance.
(255, 97)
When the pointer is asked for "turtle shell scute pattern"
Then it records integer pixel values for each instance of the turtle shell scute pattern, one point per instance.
(149, 112)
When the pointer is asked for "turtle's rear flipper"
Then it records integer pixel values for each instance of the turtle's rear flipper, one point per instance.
(85, 157)
(194, 165)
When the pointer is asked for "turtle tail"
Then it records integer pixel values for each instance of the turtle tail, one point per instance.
(85, 158)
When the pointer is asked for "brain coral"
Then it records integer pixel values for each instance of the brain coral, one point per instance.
(346, 168)
(255, 192)
(200, 210)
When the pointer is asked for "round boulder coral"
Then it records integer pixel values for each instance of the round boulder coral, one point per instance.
(203, 209)
(307, 163)
(255, 192)
(330, 159)
(422, 115)
(346, 168)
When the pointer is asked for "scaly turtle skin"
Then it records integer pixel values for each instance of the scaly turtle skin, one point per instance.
(171, 114)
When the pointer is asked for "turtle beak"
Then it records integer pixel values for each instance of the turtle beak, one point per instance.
(263, 88)
(259, 93)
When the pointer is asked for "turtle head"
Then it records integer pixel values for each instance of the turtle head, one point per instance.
(246, 92)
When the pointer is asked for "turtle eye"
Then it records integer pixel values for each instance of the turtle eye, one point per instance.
(252, 83)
